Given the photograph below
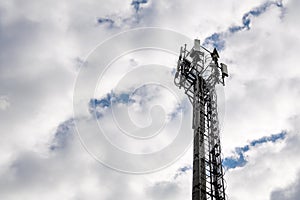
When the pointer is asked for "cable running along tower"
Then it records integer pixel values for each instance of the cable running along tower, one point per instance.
(198, 72)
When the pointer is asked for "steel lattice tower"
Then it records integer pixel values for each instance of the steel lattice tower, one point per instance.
(198, 72)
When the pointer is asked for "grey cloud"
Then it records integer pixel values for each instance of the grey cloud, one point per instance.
(164, 190)
(291, 192)
(40, 41)
(68, 173)
(4, 102)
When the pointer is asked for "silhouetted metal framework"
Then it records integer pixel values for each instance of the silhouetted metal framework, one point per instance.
(198, 72)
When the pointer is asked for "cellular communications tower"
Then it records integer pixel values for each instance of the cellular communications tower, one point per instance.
(198, 72)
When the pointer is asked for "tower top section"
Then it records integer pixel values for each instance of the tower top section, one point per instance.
(199, 62)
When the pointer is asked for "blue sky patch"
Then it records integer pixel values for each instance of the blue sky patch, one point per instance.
(145, 94)
(217, 40)
(96, 106)
(137, 4)
(182, 170)
(239, 159)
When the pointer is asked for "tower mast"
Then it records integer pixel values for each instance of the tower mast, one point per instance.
(198, 72)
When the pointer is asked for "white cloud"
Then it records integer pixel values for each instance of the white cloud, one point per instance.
(270, 166)
(4, 102)
(41, 44)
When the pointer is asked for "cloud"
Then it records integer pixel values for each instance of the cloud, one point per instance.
(106, 20)
(292, 192)
(182, 171)
(137, 4)
(137, 100)
(4, 102)
(42, 44)
(217, 40)
(97, 107)
(260, 91)
(269, 166)
(63, 135)
(164, 190)
(128, 17)
(239, 159)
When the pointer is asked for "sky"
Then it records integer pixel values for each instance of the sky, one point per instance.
(89, 110)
